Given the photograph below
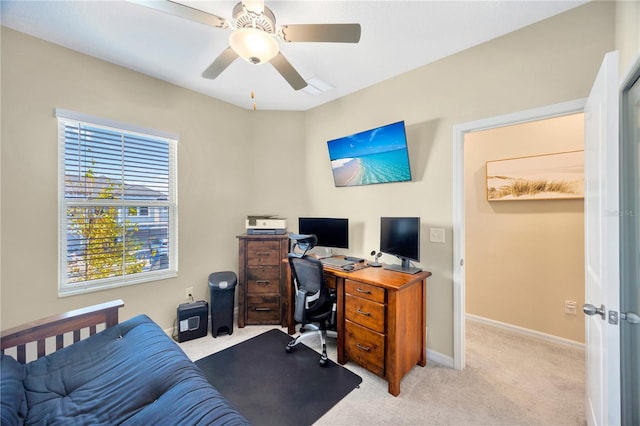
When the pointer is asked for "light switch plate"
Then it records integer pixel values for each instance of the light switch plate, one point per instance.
(436, 235)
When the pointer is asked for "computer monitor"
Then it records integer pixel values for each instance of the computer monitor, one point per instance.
(400, 237)
(331, 232)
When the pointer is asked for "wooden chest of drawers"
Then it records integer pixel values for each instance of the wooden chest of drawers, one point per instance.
(262, 279)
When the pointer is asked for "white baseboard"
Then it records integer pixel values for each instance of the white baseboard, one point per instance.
(439, 358)
(525, 331)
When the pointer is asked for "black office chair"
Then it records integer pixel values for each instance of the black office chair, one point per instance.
(315, 305)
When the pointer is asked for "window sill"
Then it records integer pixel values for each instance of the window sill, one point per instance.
(84, 288)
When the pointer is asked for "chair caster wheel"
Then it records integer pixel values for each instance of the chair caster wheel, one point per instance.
(289, 349)
(324, 362)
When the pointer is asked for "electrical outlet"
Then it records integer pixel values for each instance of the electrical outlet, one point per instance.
(188, 293)
(570, 307)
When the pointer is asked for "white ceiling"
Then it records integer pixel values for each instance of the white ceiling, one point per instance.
(397, 36)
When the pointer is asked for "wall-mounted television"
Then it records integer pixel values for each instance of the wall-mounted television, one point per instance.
(378, 155)
(400, 236)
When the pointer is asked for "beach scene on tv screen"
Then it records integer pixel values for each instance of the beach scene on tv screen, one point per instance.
(374, 156)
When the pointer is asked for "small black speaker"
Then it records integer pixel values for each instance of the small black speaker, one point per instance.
(192, 320)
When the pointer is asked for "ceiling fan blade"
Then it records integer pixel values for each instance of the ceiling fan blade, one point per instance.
(287, 71)
(185, 12)
(336, 33)
(220, 63)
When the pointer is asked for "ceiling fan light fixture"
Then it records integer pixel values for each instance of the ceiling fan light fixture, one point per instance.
(253, 45)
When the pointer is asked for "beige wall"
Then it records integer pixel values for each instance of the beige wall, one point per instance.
(628, 33)
(223, 174)
(277, 162)
(524, 258)
(547, 63)
(212, 155)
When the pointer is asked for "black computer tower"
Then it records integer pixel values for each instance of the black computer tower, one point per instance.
(192, 320)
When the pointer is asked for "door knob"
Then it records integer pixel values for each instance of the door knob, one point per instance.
(631, 317)
(589, 309)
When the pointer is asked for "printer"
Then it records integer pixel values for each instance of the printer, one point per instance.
(266, 225)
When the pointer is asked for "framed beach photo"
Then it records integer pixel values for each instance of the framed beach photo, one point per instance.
(539, 177)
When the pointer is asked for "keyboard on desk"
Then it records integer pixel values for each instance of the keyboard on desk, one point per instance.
(335, 262)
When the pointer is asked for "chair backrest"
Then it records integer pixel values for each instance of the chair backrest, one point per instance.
(308, 273)
(301, 244)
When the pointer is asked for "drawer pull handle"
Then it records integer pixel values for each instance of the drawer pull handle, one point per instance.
(263, 282)
(359, 290)
(263, 253)
(362, 347)
(262, 309)
(364, 313)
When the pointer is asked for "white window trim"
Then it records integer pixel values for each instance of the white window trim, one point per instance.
(65, 289)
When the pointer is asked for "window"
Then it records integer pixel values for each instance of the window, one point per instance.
(118, 204)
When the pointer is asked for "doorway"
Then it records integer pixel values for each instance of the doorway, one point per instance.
(460, 131)
(524, 241)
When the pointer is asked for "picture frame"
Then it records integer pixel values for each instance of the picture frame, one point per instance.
(540, 177)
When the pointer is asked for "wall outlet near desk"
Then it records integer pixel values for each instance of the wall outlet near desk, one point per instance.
(188, 293)
(436, 235)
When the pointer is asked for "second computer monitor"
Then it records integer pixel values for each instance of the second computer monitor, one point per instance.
(400, 236)
(331, 232)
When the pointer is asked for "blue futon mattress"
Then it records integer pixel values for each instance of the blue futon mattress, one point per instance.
(131, 374)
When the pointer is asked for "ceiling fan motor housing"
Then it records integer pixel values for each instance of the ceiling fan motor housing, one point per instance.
(242, 18)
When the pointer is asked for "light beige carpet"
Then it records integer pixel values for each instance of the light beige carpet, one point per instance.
(510, 379)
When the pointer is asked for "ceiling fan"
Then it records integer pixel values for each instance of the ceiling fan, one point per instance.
(254, 35)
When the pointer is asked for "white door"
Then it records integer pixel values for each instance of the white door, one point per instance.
(602, 274)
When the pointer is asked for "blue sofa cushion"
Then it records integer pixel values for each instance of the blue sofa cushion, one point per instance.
(132, 373)
(13, 404)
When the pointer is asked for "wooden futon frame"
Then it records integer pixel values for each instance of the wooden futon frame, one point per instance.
(56, 326)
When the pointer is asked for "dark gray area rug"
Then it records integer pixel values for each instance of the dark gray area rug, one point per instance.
(272, 387)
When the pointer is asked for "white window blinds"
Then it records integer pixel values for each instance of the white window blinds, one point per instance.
(118, 204)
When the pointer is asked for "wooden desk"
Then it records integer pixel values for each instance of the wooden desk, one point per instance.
(382, 320)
